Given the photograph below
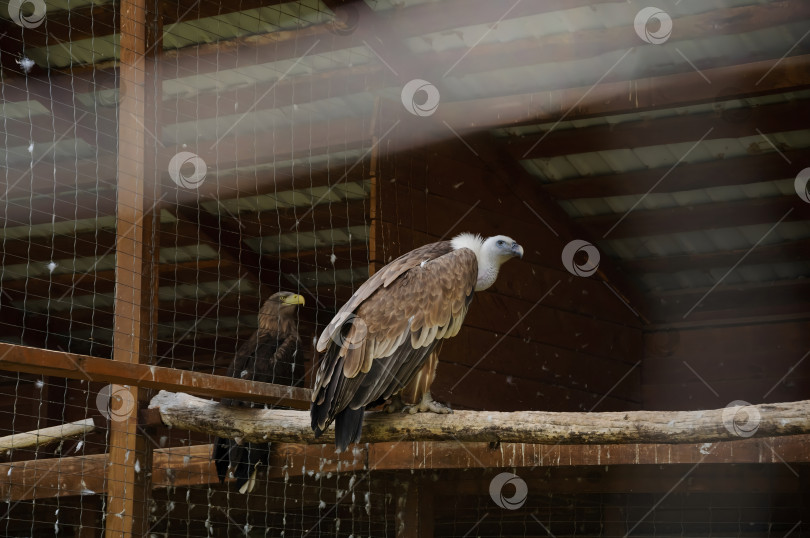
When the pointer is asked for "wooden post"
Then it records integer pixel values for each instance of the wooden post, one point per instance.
(136, 287)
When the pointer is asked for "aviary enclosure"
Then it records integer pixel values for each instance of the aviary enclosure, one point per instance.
(168, 165)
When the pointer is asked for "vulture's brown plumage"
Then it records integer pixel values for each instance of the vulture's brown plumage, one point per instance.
(275, 342)
(384, 341)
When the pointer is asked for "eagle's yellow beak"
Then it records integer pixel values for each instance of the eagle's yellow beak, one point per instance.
(293, 299)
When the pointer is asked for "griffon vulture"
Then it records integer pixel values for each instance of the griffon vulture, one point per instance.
(275, 341)
(383, 343)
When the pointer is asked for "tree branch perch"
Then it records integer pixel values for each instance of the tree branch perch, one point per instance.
(179, 410)
(46, 436)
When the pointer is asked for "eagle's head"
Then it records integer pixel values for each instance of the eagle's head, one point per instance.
(279, 307)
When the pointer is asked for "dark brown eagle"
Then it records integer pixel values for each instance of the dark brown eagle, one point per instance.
(384, 342)
(274, 342)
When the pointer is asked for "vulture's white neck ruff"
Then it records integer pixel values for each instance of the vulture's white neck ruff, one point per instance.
(488, 262)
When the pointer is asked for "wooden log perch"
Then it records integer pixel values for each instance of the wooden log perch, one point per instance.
(178, 410)
(46, 436)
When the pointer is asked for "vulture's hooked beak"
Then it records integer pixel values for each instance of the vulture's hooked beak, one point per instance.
(517, 250)
(293, 299)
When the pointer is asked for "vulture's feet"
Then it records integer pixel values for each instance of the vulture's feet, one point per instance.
(428, 404)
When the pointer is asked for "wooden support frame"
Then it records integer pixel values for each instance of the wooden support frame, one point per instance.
(129, 468)
(31, 360)
(192, 466)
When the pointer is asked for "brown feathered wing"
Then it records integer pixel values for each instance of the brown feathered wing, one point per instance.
(257, 360)
(382, 336)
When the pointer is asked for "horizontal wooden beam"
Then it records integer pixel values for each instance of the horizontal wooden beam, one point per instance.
(72, 366)
(192, 466)
(697, 217)
(179, 410)
(684, 177)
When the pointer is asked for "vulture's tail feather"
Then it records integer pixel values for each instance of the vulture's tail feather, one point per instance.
(348, 425)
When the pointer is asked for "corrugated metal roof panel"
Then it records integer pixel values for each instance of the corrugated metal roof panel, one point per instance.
(328, 277)
(596, 16)
(54, 6)
(304, 197)
(215, 290)
(287, 16)
(705, 241)
(661, 157)
(745, 274)
(226, 79)
(650, 60)
(649, 115)
(586, 207)
(309, 240)
(268, 120)
(65, 148)
(64, 227)
(187, 253)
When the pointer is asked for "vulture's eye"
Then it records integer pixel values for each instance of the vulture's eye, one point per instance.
(500, 243)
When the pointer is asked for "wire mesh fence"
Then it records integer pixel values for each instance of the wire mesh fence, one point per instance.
(170, 166)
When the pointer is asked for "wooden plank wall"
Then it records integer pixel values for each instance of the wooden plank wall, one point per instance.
(713, 366)
(576, 349)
